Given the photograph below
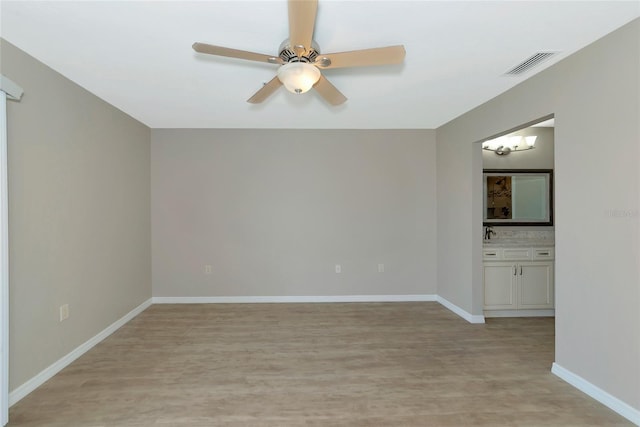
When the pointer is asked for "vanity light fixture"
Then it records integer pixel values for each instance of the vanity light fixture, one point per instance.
(507, 144)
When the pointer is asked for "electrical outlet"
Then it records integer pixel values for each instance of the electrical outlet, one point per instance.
(208, 269)
(338, 268)
(64, 312)
(380, 268)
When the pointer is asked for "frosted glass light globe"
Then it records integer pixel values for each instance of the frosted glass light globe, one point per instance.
(298, 77)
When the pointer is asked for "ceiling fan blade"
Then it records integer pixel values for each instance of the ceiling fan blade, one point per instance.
(235, 53)
(302, 19)
(362, 58)
(266, 91)
(329, 92)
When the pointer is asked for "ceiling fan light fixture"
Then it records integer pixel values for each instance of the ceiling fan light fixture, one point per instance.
(298, 77)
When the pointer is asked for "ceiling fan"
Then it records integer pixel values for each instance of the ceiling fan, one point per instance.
(300, 59)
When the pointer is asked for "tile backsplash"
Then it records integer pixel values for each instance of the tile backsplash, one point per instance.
(547, 233)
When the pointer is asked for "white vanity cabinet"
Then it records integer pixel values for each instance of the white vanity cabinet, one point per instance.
(517, 279)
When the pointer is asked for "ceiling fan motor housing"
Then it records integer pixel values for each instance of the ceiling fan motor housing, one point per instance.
(288, 53)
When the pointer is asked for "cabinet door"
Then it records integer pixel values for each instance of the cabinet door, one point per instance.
(535, 290)
(499, 286)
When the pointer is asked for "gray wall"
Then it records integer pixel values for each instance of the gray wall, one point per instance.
(273, 211)
(79, 219)
(595, 96)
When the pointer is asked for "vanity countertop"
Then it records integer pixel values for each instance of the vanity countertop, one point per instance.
(518, 243)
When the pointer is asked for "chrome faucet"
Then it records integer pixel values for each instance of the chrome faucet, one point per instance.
(488, 231)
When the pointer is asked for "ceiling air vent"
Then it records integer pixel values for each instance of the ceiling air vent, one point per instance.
(529, 63)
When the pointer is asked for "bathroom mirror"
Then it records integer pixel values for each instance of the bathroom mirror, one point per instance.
(518, 197)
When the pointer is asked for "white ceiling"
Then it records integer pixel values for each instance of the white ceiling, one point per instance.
(137, 55)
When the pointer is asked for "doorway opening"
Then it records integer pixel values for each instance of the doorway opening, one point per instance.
(518, 248)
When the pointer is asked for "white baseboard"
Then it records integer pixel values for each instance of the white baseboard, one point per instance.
(57, 366)
(519, 313)
(319, 299)
(471, 318)
(617, 405)
(292, 299)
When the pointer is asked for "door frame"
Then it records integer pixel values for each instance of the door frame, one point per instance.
(8, 91)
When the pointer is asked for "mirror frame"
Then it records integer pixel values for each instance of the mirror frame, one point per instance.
(516, 172)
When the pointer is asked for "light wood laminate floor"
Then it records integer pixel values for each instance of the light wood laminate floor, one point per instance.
(360, 364)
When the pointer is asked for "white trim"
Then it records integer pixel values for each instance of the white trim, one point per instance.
(4, 264)
(320, 299)
(519, 313)
(56, 367)
(13, 91)
(471, 318)
(612, 402)
(8, 90)
(292, 299)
